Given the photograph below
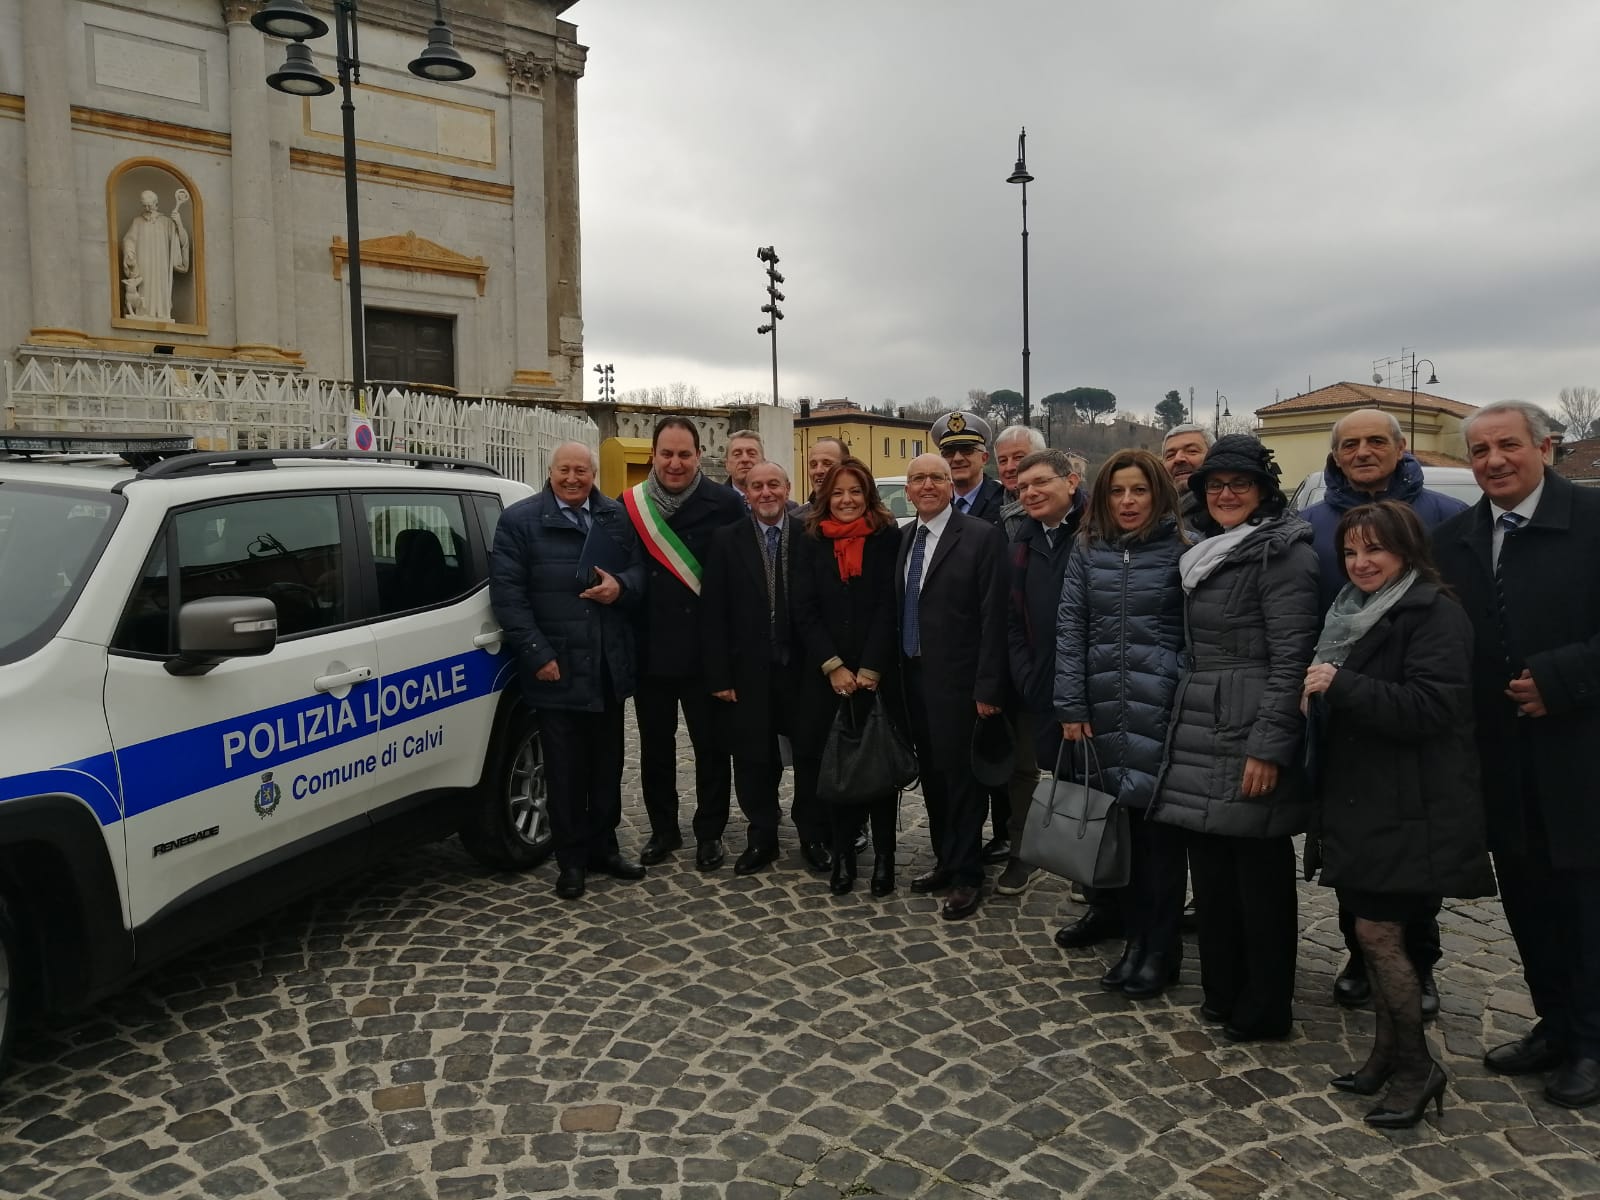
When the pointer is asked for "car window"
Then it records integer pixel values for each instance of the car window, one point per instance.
(419, 549)
(489, 510)
(49, 542)
(893, 494)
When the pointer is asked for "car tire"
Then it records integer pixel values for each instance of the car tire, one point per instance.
(9, 1010)
(507, 825)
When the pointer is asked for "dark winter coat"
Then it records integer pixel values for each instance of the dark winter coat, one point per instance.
(1251, 627)
(1037, 569)
(1119, 647)
(988, 504)
(1550, 572)
(853, 621)
(1398, 803)
(534, 586)
(669, 620)
(1340, 496)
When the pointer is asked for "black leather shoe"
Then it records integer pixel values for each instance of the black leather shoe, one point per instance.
(883, 875)
(1154, 974)
(935, 880)
(961, 902)
(617, 867)
(1384, 1117)
(1098, 924)
(997, 850)
(1235, 1034)
(753, 858)
(1213, 1015)
(1430, 993)
(1575, 1085)
(844, 875)
(1352, 988)
(816, 856)
(1531, 1055)
(1122, 970)
(569, 883)
(709, 854)
(1362, 1083)
(658, 847)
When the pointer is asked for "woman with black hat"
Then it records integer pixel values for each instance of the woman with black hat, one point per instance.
(1230, 777)
(1119, 641)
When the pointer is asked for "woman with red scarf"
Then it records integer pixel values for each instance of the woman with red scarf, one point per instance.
(845, 620)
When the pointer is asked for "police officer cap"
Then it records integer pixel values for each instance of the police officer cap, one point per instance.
(960, 429)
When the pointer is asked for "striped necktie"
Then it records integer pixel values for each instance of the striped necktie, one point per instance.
(911, 622)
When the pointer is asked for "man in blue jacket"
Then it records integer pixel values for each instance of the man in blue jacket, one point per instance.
(574, 644)
(1369, 462)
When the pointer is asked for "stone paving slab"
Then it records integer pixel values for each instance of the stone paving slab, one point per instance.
(435, 1031)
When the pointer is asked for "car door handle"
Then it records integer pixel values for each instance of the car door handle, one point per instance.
(491, 638)
(330, 683)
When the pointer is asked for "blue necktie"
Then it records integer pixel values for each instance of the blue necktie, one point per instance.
(961, 504)
(1509, 523)
(911, 624)
(579, 518)
(772, 543)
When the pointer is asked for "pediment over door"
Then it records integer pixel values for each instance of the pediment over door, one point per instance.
(408, 252)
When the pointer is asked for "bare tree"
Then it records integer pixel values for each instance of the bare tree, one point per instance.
(1578, 408)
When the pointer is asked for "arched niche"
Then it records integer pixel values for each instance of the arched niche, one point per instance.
(156, 251)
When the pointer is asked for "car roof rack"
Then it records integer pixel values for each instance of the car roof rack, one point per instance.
(214, 461)
(138, 450)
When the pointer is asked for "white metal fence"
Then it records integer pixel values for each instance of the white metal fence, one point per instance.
(246, 410)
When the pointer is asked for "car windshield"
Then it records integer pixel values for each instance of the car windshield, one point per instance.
(49, 541)
(893, 494)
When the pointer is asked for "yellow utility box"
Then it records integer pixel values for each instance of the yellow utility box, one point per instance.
(623, 463)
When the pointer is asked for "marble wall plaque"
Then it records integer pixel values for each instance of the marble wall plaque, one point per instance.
(130, 63)
(433, 129)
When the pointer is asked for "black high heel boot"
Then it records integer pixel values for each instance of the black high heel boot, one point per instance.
(1368, 1081)
(1122, 970)
(844, 873)
(882, 874)
(1384, 1117)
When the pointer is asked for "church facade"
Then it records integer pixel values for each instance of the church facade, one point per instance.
(170, 207)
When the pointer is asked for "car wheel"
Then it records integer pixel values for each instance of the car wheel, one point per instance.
(8, 973)
(508, 823)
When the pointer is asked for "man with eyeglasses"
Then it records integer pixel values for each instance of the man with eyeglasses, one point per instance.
(950, 595)
(962, 440)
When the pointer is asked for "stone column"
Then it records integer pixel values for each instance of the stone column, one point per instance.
(53, 249)
(561, 217)
(527, 74)
(255, 240)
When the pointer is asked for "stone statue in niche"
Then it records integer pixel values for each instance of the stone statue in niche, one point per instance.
(155, 249)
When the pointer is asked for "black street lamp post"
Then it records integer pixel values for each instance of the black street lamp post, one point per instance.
(439, 61)
(607, 382)
(1433, 378)
(1019, 174)
(774, 314)
(1222, 411)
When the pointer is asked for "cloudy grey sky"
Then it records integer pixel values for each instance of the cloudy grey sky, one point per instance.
(1233, 195)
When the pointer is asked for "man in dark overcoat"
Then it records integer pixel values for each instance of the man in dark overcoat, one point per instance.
(1525, 563)
(676, 511)
(951, 599)
(753, 663)
(574, 643)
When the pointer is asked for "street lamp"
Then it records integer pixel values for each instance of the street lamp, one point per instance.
(607, 392)
(1222, 411)
(1432, 379)
(1019, 174)
(439, 61)
(774, 314)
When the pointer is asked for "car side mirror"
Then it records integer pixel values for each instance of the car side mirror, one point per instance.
(218, 628)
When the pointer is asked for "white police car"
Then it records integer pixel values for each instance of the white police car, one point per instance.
(227, 679)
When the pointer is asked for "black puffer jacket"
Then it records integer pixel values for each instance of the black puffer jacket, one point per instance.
(1398, 803)
(1119, 641)
(533, 586)
(1252, 625)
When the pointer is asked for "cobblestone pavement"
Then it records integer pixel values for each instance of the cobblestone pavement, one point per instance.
(432, 1031)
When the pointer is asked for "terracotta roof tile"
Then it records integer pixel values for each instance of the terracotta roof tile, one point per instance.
(1366, 395)
(1580, 460)
(1432, 458)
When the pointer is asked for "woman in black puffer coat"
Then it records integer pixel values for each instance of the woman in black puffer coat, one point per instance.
(1399, 821)
(1118, 657)
(1231, 777)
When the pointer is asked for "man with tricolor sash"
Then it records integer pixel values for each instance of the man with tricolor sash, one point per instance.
(675, 512)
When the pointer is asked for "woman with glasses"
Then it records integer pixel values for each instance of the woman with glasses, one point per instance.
(845, 621)
(1118, 644)
(1230, 776)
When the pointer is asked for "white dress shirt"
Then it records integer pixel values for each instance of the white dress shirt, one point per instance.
(1497, 532)
(935, 528)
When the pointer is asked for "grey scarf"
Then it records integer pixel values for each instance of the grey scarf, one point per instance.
(1353, 614)
(669, 502)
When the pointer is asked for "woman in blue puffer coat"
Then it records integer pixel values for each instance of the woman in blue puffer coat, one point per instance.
(1118, 648)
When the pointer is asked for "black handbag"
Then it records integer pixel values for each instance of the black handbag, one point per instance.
(1077, 831)
(864, 760)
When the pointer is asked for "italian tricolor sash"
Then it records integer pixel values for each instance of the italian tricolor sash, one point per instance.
(664, 545)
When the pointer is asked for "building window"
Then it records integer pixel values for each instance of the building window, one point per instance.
(902, 447)
(886, 447)
(916, 448)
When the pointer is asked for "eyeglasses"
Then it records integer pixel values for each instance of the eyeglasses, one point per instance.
(919, 480)
(958, 451)
(1237, 486)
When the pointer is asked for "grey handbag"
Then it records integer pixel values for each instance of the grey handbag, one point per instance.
(1075, 830)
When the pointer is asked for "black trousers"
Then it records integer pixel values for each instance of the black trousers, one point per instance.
(1152, 902)
(956, 804)
(1244, 892)
(583, 776)
(1421, 934)
(847, 819)
(1555, 918)
(655, 704)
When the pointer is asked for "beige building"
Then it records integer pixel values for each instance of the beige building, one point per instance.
(176, 210)
(1298, 429)
(886, 444)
